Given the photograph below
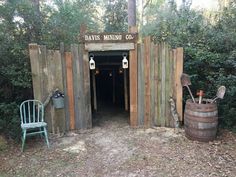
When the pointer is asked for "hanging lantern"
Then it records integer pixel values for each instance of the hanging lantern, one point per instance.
(120, 71)
(125, 63)
(97, 71)
(91, 62)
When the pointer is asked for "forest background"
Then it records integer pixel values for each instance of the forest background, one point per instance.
(208, 38)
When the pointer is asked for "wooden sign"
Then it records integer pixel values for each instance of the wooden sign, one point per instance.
(109, 37)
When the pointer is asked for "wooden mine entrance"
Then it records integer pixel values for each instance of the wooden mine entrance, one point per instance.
(109, 85)
(153, 77)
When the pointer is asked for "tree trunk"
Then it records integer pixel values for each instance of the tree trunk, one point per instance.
(132, 13)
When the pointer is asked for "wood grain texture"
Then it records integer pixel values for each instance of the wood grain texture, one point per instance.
(141, 85)
(133, 87)
(109, 46)
(87, 93)
(35, 70)
(147, 45)
(64, 76)
(152, 84)
(156, 85)
(78, 80)
(179, 89)
(70, 89)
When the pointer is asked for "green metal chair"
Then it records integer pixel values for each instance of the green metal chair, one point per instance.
(32, 120)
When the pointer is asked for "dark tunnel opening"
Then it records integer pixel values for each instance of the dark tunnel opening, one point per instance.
(108, 85)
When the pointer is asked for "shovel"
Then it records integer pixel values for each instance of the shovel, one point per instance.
(185, 81)
(220, 93)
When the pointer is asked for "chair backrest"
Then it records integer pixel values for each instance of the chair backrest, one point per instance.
(31, 111)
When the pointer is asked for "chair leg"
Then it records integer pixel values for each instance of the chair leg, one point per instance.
(41, 134)
(23, 140)
(46, 136)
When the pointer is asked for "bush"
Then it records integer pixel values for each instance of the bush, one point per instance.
(10, 120)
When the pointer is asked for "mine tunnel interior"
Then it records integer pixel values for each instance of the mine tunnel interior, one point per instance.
(108, 83)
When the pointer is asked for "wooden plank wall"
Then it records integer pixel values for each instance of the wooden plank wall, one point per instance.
(46, 68)
(159, 71)
(68, 72)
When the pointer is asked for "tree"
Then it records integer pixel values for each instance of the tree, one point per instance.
(115, 16)
(131, 12)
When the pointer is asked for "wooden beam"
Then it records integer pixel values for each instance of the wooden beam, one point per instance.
(113, 87)
(64, 75)
(133, 75)
(109, 46)
(70, 90)
(94, 91)
(179, 88)
(126, 90)
(35, 70)
(147, 45)
(141, 85)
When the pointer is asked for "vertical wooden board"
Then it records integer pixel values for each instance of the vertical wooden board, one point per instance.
(179, 92)
(126, 90)
(133, 87)
(141, 83)
(171, 62)
(167, 90)
(51, 69)
(159, 88)
(70, 89)
(35, 70)
(152, 83)
(87, 93)
(174, 85)
(147, 45)
(78, 86)
(58, 83)
(44, 80)
(94, 91)
(163, 84)
(155, 57)
(64, 75)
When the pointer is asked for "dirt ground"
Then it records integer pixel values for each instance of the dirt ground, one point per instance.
(113, 149)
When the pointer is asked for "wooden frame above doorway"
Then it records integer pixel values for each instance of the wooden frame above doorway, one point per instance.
(122, 44)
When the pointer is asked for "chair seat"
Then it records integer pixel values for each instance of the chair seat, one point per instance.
(33, 125)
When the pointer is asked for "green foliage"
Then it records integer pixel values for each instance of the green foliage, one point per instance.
(10, 120)
(23, 22)
(209, 50)
(116, 16)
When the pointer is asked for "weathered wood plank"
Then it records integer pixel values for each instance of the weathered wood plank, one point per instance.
(133, 87)
(64, 76)
(141, 83)
(94, 91)
(126, 90)
(109, 46)
(152, 83)
(156, 85)
(167, 90)
(35, 70)
(163, 84)
(171, 61)
(179, 89)
(50, 87)
(87, 121)
(113, 87)
(44, 82)
(147, 45)
(78, 86)
(57, 81)
(70, 89)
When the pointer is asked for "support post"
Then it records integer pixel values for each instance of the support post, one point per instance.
(126, 90)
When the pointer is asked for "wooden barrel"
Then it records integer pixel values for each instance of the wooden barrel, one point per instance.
(200, 120)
